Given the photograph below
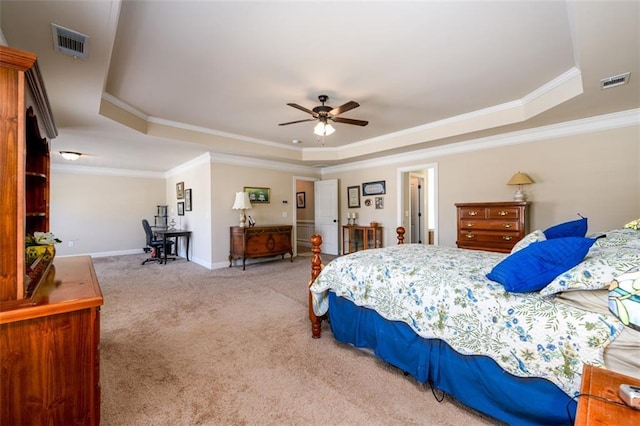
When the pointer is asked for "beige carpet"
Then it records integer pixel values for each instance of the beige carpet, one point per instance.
(182, 345)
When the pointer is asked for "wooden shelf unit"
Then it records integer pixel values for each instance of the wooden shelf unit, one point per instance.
(360, 237)
(49, 339)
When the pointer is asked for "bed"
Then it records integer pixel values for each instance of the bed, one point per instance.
(516, 356)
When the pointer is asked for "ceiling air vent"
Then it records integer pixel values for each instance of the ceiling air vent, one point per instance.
(70, 42)
(614, 81)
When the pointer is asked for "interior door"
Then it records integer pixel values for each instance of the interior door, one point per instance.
(326, 214)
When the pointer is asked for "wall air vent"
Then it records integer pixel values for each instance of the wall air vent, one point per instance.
(614, 81)
(70, 42)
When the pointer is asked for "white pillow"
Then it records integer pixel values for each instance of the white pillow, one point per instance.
(534, 237)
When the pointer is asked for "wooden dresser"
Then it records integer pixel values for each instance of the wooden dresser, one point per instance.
(495, 226)
(259, 241)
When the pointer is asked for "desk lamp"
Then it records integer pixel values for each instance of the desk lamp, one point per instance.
(242, 203)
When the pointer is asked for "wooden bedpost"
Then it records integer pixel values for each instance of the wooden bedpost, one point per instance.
(316, 266)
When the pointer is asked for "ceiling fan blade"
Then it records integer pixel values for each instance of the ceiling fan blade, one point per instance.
(344, 108)
(297, 121)
(350, 121)
(301, 108)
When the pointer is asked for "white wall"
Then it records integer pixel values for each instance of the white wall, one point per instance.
(195, 176)
(102, 214)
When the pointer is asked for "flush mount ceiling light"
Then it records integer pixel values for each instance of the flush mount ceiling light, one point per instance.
(70, 155)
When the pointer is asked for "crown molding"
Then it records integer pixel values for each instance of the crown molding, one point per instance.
(570, 128)
(88, 170)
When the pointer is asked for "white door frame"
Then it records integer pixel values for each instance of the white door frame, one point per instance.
(400, 193)
(295, 210)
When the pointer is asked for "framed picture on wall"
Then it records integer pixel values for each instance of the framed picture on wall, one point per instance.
(180, 190)
(187, 199)
(353, 197)
(257, 195)
(301, 200)
(374, 188)
(181, 208)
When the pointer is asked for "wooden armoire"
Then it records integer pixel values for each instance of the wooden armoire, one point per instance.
(50, 330)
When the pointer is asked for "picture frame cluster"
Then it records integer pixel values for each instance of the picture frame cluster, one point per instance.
(186, 195)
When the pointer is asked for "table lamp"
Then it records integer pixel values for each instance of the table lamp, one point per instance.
(242, 203)
(519, 179)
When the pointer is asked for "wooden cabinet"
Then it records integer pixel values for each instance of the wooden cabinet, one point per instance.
(599, 402)
(24, 164)
(355, 238)
(495, 226)
(259, 241)
(49, 354)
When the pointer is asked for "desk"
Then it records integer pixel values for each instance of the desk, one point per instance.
(604, 383)
(368, 236)
(170, 233)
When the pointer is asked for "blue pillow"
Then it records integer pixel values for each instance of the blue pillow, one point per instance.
(536, 265)
(574, 228)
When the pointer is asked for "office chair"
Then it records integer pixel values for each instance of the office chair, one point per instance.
(157, 246)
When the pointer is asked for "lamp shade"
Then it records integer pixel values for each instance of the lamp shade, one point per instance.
(242, 201)
(323, 129)
(520, 179)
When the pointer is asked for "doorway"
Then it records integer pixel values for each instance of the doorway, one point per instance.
(417, 203)
(303, 215)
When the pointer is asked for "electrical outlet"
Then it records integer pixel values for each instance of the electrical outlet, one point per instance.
(70, 243)
(285, 214)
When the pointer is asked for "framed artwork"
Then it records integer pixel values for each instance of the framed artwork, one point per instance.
(258, 195)
(353, 197)
(374, 188)
(180, 190)
(187, 199)
(301, 200)
(379, 202)
(181, 208)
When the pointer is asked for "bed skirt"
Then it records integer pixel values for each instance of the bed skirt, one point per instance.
(476, 381)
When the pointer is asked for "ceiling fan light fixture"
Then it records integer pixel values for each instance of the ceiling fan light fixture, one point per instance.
(323, 129)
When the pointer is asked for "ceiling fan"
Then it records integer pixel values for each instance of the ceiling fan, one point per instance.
(325, 113)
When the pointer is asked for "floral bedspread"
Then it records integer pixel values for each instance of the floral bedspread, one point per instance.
(443, 293)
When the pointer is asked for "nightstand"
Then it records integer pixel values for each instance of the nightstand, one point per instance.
(605, 384)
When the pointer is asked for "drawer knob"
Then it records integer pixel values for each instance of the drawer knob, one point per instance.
(470, 236)
(473, 213)
(507, 238)
(507, 225)
(469, 224)
(502, 213)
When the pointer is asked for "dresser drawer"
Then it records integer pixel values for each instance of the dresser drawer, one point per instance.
(472, 213)
(489, 237)
(490, 224)
(503, 212)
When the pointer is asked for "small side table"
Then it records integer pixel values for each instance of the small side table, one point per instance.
(604, 384)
